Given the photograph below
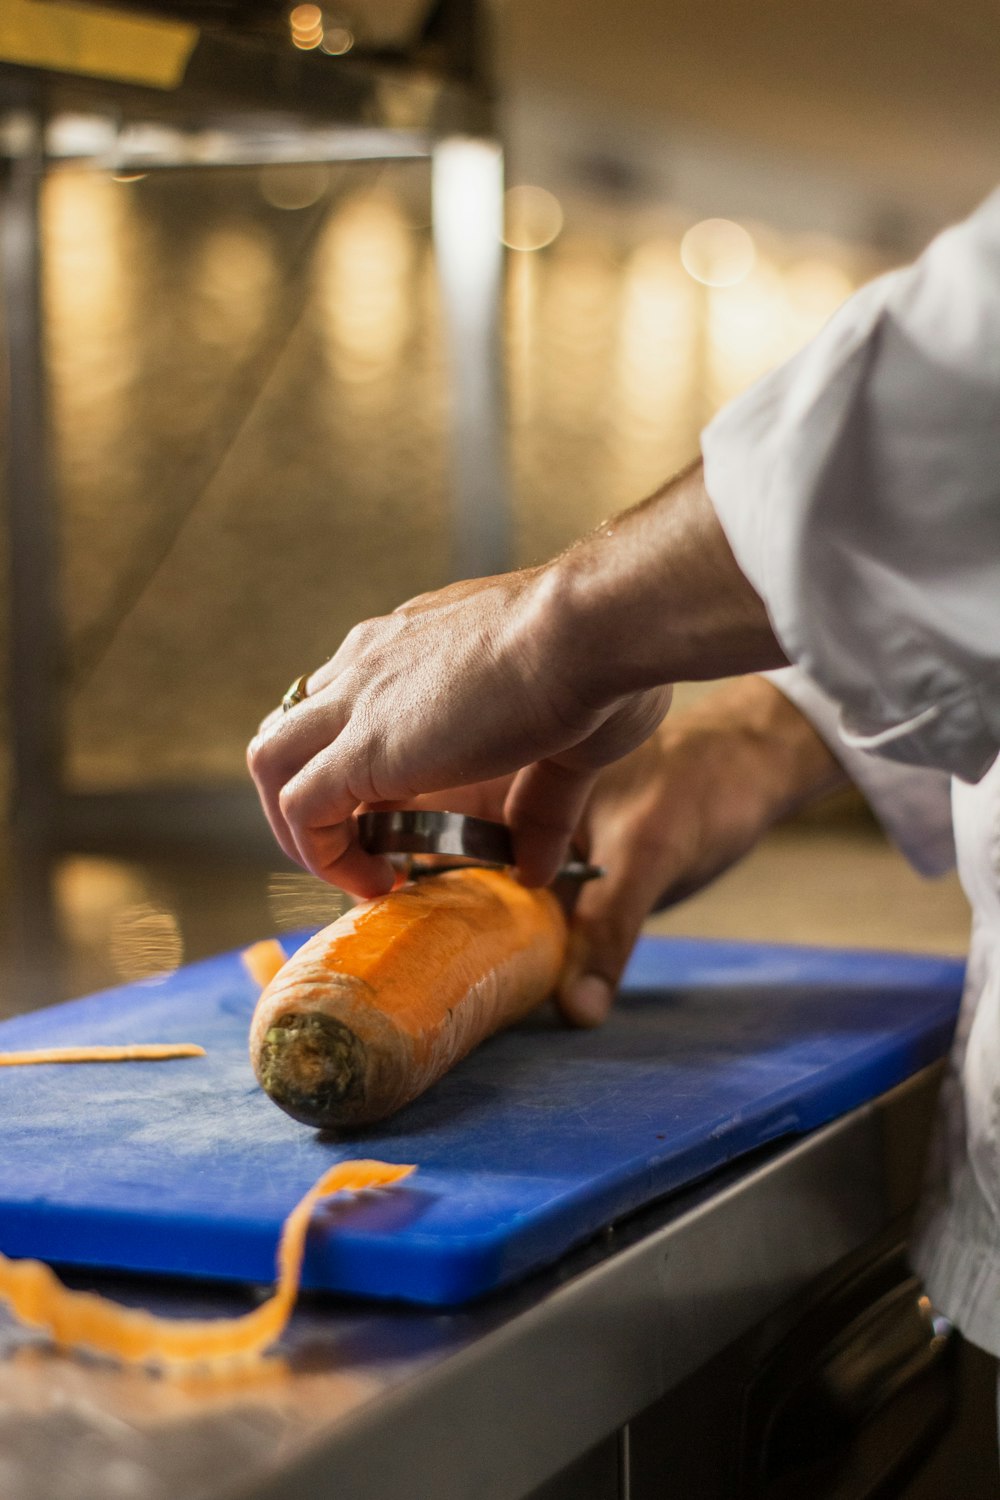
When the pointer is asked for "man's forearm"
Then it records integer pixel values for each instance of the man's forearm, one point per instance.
(657, 596)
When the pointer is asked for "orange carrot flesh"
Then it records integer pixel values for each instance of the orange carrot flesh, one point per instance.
(84, 1320)
(263, 960)
(144, 1052)
(471, 917)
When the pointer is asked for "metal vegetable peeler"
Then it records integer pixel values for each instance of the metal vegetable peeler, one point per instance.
(425, 843)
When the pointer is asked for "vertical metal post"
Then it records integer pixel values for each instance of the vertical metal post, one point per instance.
(33, 677)
(468, 225)
(624, 1463)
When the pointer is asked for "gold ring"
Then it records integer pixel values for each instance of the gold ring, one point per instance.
(296, 693)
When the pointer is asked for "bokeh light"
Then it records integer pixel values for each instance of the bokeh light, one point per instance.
(337, 40)
(657, 350)
(365, 264)
(294, 186)
(746, 331)
(532, 217)
(718, 252)
(306, 22)
(234, 279)
(90, 242)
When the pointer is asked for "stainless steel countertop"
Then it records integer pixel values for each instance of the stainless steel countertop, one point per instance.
(391, 1403)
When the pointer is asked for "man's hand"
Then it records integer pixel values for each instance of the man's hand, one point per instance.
(452, 688)
(547, 674)
(670, 817)
(679, 811)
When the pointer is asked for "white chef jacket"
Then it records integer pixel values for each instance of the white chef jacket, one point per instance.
(859, 486)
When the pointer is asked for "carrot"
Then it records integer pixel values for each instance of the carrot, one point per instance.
(140, 1052)
(83, 1320)
(263, 960)
(376, 1007)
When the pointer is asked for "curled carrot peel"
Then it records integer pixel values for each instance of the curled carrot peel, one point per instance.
(145, 1052)
(84, 1320)
(263, 960)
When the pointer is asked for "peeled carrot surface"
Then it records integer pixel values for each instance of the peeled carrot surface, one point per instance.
(84, 1320)
(145, 1052)
(376, 1007)
(263, 960)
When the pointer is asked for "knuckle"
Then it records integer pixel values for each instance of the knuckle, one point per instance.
(290, 803)
(258, 755)
(359, 638)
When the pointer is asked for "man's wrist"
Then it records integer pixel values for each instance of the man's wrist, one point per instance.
(652, 597)
(557, 630)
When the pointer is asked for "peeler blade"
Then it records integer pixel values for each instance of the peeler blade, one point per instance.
(435, 841)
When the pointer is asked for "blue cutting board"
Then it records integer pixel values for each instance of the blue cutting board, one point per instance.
(533, 1143)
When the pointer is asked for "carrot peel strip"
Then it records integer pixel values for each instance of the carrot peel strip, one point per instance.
(144, 1052)
(84, 1320)
(263, 960)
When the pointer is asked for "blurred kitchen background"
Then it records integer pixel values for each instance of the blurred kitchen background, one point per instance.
(251, 391)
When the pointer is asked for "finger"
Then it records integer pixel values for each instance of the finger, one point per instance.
(318, 805)
(335, 855)
(280, 750)
(279, 828)
(350, 867)
(607, 920)
(543, 807)
(310, 688)
(548, 798)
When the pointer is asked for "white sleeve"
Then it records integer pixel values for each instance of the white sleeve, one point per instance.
(912, 803)
(859, 486)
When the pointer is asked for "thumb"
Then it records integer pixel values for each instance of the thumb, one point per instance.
(604, 927)
(543, 808)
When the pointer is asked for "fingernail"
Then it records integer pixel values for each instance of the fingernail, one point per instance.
(588, 1000)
